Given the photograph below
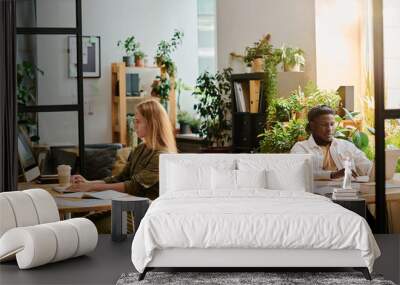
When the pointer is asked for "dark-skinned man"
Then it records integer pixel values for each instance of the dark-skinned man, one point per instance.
(328, 152)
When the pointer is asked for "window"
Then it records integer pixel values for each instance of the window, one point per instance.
(206, 11)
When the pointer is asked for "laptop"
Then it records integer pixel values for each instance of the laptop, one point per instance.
(392, 156)
(28, 164)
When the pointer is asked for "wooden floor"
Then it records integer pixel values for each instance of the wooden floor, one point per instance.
(111, 259)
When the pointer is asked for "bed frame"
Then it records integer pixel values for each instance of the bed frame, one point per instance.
(233, 259)
(245, 259)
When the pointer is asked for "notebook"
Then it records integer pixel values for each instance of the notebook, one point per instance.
(104, 195)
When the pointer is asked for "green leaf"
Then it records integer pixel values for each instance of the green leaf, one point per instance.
(360, 139)
(348, 115)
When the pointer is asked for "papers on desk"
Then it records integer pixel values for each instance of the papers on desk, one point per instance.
(388, 185)
(64, 203)
(103, 195)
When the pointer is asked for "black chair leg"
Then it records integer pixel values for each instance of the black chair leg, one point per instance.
(142, 275)
(365, 272)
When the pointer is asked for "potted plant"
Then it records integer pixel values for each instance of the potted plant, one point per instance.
(351, 132)
(160, 88)
(130, 45)
(213, 107)
(195, 125)
(281, 137)
(139, 58)
(26, 95)
(292, 58)
(163, 57)
(184, 120)
(254, 54)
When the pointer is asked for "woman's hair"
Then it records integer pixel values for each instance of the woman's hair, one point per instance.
(160, 135)
(317, 111)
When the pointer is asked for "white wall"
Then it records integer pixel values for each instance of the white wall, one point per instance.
(338, 39)
(149, 21)
(290, 22)
(391, 12)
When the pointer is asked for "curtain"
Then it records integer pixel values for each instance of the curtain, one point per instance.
(8, 100)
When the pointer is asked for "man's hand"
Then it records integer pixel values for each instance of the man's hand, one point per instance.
(340, 173)
(81, 187)
(78, 179)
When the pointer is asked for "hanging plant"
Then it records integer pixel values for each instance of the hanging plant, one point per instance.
(160, 88)
(164, 52)
(271, 62)
(292, 58)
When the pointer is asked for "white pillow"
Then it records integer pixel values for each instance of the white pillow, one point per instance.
(278, 180)
(223, 179)
(251, 178)
(282, 173)
(227, 179)
(182, 177)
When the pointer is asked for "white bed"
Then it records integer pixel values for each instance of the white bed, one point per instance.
(241, 224)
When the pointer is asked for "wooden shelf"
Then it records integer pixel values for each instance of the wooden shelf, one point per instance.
(121, 102)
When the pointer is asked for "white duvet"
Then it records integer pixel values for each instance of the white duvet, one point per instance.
(253, 218)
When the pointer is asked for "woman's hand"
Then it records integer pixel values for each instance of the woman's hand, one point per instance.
(81, 187)
(78, 179)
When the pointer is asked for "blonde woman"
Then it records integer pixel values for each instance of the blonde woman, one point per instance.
(140, 175)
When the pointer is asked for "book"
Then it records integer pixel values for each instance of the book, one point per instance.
(103, 195)
(345, 191)
(345, 194)
(239, 96)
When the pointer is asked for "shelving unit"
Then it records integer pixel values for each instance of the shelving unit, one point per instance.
(247, 125)
(123, 104)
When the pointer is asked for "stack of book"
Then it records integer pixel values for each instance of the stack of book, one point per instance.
(345, 194)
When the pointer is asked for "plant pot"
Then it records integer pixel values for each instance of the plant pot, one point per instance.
(257, 65)
(184, 128)
(248, 69)
(163, 72)
(139, 62)
(129, 60)
(158, 61)
(291, 67)
(194, 130)
(302, 114)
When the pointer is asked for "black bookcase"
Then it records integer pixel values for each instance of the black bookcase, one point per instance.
(246, 125)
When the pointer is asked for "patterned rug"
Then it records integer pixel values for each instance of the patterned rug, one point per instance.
(242, 278)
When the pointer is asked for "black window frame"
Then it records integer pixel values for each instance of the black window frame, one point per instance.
(381, 114)
(79, 107)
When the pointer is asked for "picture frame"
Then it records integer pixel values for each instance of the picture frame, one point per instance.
(91, 63)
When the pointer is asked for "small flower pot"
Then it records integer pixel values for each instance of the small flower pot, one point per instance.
(139, 61)
(184, 128)
(129, 60)
(257, 65)
(291, 67)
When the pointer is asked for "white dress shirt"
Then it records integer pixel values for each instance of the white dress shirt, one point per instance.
(339, 149)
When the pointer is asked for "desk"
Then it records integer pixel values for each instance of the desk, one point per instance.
(367, 192)
(67, 206)
(392, 203)
(189, 143)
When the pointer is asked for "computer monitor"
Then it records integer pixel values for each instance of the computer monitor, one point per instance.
(27, 160)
